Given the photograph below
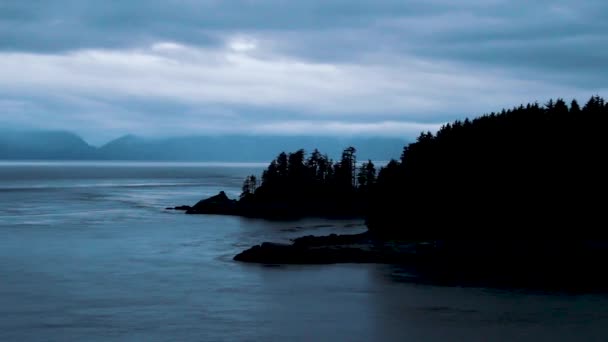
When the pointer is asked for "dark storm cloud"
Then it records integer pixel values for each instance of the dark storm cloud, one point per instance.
(70, 24)
(539, 34)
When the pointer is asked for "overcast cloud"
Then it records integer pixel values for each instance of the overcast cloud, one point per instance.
(175, 67)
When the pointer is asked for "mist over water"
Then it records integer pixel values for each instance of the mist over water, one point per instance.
(87, 252)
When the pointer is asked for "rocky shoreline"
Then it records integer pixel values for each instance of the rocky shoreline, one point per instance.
(221, 204)
(539, 263)
(543, 265)
(331, 249)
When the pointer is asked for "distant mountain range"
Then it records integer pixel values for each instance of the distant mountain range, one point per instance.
(60, 145)
(44, 145)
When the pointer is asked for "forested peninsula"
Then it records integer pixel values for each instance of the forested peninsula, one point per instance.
(522, 184)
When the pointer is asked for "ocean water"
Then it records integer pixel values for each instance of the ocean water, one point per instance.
(88, 253)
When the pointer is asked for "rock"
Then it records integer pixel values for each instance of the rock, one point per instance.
(462, 263)
(271, 253)
(333, 239)
(277, 209)
(357, 248)
(218, 204)
(181, 207)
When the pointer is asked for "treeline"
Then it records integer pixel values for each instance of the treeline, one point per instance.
(522, 172)
(529, 172)
(313, 185)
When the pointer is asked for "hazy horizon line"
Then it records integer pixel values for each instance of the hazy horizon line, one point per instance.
(209, 135)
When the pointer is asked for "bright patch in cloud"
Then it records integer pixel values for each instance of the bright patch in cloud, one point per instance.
(166, 46)
(242, 44)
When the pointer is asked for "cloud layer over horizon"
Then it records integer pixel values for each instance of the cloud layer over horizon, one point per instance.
(176, 67)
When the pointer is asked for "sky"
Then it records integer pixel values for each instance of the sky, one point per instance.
(317, 67)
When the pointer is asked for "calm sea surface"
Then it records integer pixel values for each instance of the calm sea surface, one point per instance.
(88, 253)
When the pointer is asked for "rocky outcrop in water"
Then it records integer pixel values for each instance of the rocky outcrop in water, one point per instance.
(356, 248)
(221, 204)
(218, 204)
(543, 264)
(180, 207)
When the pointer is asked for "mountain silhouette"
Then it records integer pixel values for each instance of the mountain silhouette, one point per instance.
(44, 145)
(59, 145)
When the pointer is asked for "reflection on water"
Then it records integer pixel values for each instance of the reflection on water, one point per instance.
(87, 252)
